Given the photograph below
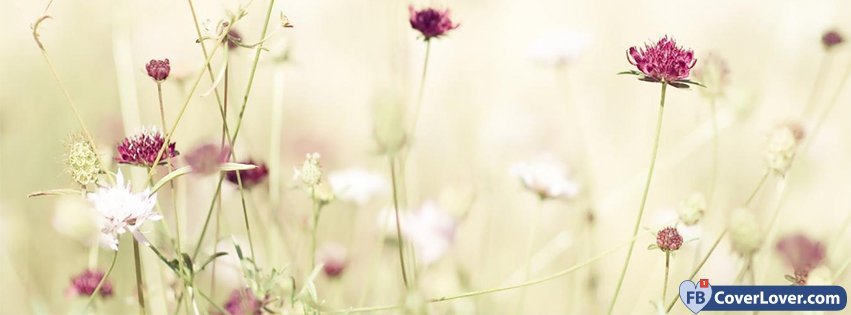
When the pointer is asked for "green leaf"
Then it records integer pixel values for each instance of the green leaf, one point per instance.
(226, 167)
(652, 247)
(686, 81)
(188, 262)
(56, 192)
(210, 260)
(630, 72)
(679, 85)
(170, 176)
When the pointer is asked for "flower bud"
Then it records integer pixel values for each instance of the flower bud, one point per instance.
(782, 147)
(745, 233)
(692, 208)
(310, 173)
(669, 239)
(82, 161)
(158, 69)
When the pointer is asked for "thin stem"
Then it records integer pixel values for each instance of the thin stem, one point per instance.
(643, 197)
(757, 189)
(96, 292)
(530, 241)
(392, 159)
(160, 98)
(219, 101)
(831, 103)
(315, 228)
(207, 220)
(667, 270)
(275, 134)
(422, 88)
(824, 65)
(715, 144)
(244, 212)
(140, 289)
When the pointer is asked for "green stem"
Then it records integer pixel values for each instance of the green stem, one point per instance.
(422, 88)
(392, 159)
(244, 213)
(667, 270)
(824, 65)
(315, 228)
(102, 280)
(140, 289)
(643, 197)
(209, 215)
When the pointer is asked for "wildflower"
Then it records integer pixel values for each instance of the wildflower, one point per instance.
(243, 302)
(802, 253)
(310, 173)
(158, 69)
(831, 39)
(431, 22)
(691, 209)
(249, 178)
(85, 283)
(82, 161)
(669, 239)
(334, 258)
(357, 185)
(206, 158)
(558, 48)
(120, 210)
(546, 178)
(715, 74)
(745, 232)
(430, 229)
(234, 39)
(782, 147)
(142, 149)
(663, 62)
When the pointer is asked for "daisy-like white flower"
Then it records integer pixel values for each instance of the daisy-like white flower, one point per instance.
(119, 210)
(559, 48)
(357, 185)
(546, 177)
(430, 229)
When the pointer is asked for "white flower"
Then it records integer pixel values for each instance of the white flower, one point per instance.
(559, 47)
(692, 208)
(430, 229)
(310, 173)
(119, 210)
(546, 177)
(357, 185)
(782, 146)
(745, 232)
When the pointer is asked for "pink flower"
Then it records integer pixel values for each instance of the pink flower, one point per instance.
(250, 178)
(831, 38)
(206, 158)
(158, 69)
(243, 302)
(85, 283)
(669, 239)
(142, 149)
(802, 253)
(334, 258)
(431, 23)
(663, 62)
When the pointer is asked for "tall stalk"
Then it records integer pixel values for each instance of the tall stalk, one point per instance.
(392, 159)
(643, 197)
(140, 289)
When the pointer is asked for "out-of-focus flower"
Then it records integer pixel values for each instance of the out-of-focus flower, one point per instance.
(85, 283)
(249, 178)
(546, 177)
(831, 39)
(431, 22)
(142, 148)
(310, 173)
(389, 124)
(158, 69)
(72, 217)
(745, 233)
(206, 158)
(692, 208)
(430, 229)
(357, 185)
(234, 38)
(802, 253)
(120, 211)
(334, 258)
(669, 239)
(559, 48)
(714, 73)
(782, 146)
(663, 61)
(243, 302)
(82, 161)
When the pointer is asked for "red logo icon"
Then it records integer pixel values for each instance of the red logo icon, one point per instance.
(704, 283)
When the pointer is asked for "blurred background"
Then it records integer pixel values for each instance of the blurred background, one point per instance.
(516, 81)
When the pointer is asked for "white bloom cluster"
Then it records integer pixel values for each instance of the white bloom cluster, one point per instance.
(357, 186)
(782, 146)
(430, 229)
(119, 210)
(310, 173)
(546, 177)
(692, 208)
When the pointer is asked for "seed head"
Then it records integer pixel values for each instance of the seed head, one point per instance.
(249, 178)
(745, 233)
(431, 22)
(310, 173)
(82, 161)
(669, 239)
(782, 146)
(84, 284)
(663, 61)
(142, 148)
(691, 209)
(158, 69)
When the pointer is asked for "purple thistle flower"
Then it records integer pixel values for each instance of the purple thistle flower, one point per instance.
(669, 239)
(243, 302)
(430, 22)
(85, 283)
(158, 69)
(206, 158)
(142, 148)
(802, 253)
(831, 38)
(250, 178)
(663, 61)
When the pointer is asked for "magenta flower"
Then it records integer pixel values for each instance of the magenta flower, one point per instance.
(250, 178)
(669, 239)
(85, 283)
(831, 38)
(206, 158)
(430, 22)
(334, 258)
(142, 149)
(233, 39)
(802, 253)
(663, 62)
(158, 69)
(243, 302)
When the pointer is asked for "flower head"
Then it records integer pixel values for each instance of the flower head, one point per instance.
(249, 178)
(357, 185)
(431, 22)
(206, 158)
(120, 210)
(691, 209)
(663, 61)
(243, 302)
(234, 38)
(715, 74)
(745, 233)
(84, 284)
(546, 177)
(430, 229)
(831, 39)
(669, 239)
(158, 69)
(334, 258)
(310, 173)
(142, 148)
(802, 253)
(82, 161)
(782, 146)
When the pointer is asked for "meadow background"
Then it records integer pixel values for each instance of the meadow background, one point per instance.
(488, 104)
